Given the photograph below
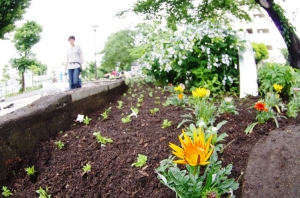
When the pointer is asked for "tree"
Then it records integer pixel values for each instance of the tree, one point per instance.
(5, 75)
(24, 39)
(10, 12)
(117, 50)
(261, 52)
(196, 11)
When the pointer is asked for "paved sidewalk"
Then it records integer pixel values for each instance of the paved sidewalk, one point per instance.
(273, 169)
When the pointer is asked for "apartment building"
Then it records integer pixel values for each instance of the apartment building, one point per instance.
(263, 30)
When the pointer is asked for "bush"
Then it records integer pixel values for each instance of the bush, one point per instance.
(202, 55)
(261, 52)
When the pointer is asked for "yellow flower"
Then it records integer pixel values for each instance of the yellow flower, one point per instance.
(193, 152)
(200, 93)
(277, 87)
(179, 88)
(180, 96)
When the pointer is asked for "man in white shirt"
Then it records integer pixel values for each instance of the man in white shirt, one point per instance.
(73, 63)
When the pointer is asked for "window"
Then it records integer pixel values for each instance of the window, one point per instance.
(263, 31)
(250, 31)
(259, 16)
(270, 47)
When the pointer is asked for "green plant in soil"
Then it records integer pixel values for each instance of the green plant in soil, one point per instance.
(124, 94)
(101, 139)
(6, 192)
(30, 171)
(59, 144)
(227, 106)
(87, 168)
(87, 120)
(156, 102)
(150, 94)
(157, 98)
(141, 161)
(138, 105)
(43, 193)
(126, 119)
(120, 104)
(104, 115)
(166, 123)
(140, 100)
(155, 110)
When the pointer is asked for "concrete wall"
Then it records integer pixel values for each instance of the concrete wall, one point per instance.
(22, 129)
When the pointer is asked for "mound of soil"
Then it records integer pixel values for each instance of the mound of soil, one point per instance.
(111, 174)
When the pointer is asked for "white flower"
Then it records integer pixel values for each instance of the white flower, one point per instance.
(80, 118)
(179, 62)
(228, 99)
(201, 124)
(214, 129)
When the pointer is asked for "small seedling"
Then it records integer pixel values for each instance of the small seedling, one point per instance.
(156, 102)
(150, 94)
(104, 115)
(141, 161)
(138, 105)
(59, 144)
(155, 110)
(101, 139)
(120, 104)
(166, 123)
(87, 168)
(157, 98)
(30, 171)
(108, 110)
(140, 100)
(126, 119)
(124, 94)
(135, 111)
(6, 192)
(43, 193)
(61, 132)
(87, 120)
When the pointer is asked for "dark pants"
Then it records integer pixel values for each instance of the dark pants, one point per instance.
(74, 81)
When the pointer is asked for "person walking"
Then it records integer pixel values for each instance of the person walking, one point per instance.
(73, 63)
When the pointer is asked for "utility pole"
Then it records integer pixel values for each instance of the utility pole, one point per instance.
(95, 30)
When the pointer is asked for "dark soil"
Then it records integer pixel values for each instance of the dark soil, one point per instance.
(112, 174)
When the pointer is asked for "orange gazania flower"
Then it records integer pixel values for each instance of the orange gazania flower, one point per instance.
(260, 106)
(180, 96)
(193, 151)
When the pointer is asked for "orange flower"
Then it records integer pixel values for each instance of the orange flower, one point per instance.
(180, 96)
(260, 106)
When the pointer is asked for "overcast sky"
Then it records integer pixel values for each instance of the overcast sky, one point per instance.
(62, 18)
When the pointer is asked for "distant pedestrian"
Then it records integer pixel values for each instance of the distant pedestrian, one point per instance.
(73, 64)
(54, 80)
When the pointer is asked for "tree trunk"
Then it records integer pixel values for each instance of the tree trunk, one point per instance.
(291, 40)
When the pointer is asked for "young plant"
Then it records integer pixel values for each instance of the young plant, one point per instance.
(59, 144)
(155, 110)
(227, 106)
(138, 105)
(120, 104)
(43, 193)
(87, 120)
(101, 139)
(104, 115)
(150, 94)
(6, 192)
(166, 123)
(293, 107)
(126, 119)
(30, 171)
(140, 100)
(87, 168)
(141, 161)
(156, 102)
(134, 111)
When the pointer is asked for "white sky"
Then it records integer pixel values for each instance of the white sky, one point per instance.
(62, 18)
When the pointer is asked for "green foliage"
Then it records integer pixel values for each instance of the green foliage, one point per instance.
(6, 192)
(261, 52)
(141, 161)
(101, 139)
(166, 123)
(104, 115)
(190, 183)
(293, 106)
(43, 193)
(117, 50)
(285, 54)
(10, 12)
(155, 110)
(87, 168)
(126, 119)
(87, 120)
(120, 104)
(192, 12)
(30, 171)
(272, 73)
(203, 55)
(227, 106)
(59, 144)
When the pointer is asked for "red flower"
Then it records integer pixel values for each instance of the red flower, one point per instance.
(260, 106)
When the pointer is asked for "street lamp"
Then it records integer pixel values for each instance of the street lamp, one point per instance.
(95, 29)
